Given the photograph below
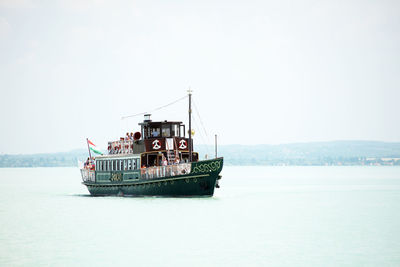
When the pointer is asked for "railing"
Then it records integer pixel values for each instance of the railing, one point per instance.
(165, 171)
(120, 147)
(88, 175)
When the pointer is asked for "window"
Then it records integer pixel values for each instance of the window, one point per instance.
(166, 130)
(175, 130)
(134, 164)
(155, 132)
(182, 131)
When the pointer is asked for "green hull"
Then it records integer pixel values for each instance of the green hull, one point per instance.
(201, 181)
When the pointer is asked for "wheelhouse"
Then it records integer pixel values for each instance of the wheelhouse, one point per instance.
(164, 141)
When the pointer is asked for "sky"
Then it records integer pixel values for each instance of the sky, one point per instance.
(262, 72)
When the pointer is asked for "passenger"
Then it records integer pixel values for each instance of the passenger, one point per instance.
(86, 164)
(177, 160)
(154, 133)
(131, 136)
(92, 165)
(127, 137)
(164, 161)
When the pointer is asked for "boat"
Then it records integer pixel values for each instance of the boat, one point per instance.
(158, 160)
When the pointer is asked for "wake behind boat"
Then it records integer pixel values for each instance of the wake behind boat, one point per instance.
(157, 161)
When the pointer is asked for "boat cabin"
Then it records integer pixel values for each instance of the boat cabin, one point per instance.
(165, 143)
(158, 143)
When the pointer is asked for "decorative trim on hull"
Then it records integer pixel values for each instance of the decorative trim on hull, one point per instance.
(200, 182)
(198, 185)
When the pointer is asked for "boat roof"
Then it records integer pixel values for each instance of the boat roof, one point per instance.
(159, 122)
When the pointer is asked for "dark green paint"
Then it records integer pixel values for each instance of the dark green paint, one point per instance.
(200, 181)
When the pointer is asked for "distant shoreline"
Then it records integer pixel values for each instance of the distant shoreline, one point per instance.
(336, 153)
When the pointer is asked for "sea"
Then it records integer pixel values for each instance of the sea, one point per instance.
(261, 216)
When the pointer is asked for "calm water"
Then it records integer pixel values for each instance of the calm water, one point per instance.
(261, 216)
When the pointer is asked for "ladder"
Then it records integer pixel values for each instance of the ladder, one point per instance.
(170, 154)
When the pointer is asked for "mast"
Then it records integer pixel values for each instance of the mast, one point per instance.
(190, 125)
(87, 142)
(216, 154)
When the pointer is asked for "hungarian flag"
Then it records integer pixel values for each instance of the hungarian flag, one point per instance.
(93, 149)
(91, 143)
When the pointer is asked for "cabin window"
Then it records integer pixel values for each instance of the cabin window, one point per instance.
(145, 132)
(182, 131)
(134, 164)
(114, 165)
(166, 130)
(155, 132)
(121, 165)
(175, 130)
(129, 164)
(107, 165)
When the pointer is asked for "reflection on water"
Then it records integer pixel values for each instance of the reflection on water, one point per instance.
(277, 216)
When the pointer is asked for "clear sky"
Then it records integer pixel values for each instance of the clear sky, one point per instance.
(262, 71)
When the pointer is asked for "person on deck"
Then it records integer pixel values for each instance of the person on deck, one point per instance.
(86, 164)
(164, 161)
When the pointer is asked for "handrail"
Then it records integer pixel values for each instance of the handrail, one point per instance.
(165, 171)
(88, 175)
(120, 147)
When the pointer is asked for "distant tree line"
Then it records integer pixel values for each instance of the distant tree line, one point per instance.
(301, 154)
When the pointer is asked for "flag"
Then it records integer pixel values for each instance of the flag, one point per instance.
(95, 151)
(91, 143)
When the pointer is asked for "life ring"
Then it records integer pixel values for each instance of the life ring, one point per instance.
(182, 144)
(156, 144)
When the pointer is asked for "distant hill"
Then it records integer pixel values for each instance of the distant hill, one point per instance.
(317, 153)
(63, 159)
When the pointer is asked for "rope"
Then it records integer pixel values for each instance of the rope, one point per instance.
(142, 113)
(201, 121)
(205, 141)
(203, 128)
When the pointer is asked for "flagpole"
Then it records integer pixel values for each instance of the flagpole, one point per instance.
(87, 142)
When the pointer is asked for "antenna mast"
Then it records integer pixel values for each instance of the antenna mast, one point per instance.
(190, 124)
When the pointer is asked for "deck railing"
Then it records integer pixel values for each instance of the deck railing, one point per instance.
(165, 171)
(88, 175)
(120, 147)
